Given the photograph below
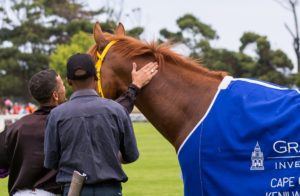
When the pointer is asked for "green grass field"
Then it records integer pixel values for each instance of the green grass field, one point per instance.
(3, 187)
(156, 172)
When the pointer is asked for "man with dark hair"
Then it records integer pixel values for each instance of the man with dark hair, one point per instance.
(41, 86)
(22, 144)
(22, 148)
(89, 134)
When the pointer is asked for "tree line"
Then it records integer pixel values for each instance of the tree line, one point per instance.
(40, 34)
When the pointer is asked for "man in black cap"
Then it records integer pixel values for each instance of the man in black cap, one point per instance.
(89, 134)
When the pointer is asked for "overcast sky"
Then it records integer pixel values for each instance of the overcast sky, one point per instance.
(230, 18)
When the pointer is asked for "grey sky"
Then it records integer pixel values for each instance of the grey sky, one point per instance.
(230, 18)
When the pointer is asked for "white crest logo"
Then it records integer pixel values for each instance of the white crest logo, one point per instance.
(257, 158)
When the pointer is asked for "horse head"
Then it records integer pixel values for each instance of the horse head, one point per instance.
(168, 100)
(117, 58)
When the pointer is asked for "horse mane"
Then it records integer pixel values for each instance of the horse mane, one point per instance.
(129, 47)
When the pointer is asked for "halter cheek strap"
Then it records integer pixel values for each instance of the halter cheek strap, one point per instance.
(99, 64)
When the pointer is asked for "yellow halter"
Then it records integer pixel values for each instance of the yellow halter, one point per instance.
(99, 64)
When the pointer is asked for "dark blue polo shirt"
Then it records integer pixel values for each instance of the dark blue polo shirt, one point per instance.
(86, 134)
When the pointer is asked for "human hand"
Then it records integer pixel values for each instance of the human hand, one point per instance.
(143, 76)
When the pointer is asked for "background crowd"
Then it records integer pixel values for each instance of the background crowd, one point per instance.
(7, 106)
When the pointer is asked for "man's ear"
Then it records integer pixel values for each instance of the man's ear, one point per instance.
(69, 82)
(55, 95)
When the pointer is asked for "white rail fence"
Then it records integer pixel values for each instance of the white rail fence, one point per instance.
(9, 119)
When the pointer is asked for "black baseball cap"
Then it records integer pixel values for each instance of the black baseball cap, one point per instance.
(83, 62)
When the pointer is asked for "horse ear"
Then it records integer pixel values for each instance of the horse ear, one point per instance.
(99, 36)
(120, 30)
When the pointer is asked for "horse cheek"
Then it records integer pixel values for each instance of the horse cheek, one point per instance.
(108, 85)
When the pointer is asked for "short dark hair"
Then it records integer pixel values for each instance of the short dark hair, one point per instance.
(42, 84)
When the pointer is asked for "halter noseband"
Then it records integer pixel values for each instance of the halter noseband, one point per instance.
(99, 64)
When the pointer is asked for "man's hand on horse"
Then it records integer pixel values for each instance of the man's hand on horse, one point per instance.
(143, 76)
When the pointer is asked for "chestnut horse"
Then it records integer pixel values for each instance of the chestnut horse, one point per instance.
(228, 132)
(161, 101)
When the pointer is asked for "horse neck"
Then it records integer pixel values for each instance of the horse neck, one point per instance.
(176, 99)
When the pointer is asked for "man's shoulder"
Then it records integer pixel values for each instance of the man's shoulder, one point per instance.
(110, 102)
(24, 119)
(60, 107)
(114, 105)
(106, 106)
(99, 102)
(21, 123)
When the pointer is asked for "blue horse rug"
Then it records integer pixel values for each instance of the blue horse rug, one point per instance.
(247, 143)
